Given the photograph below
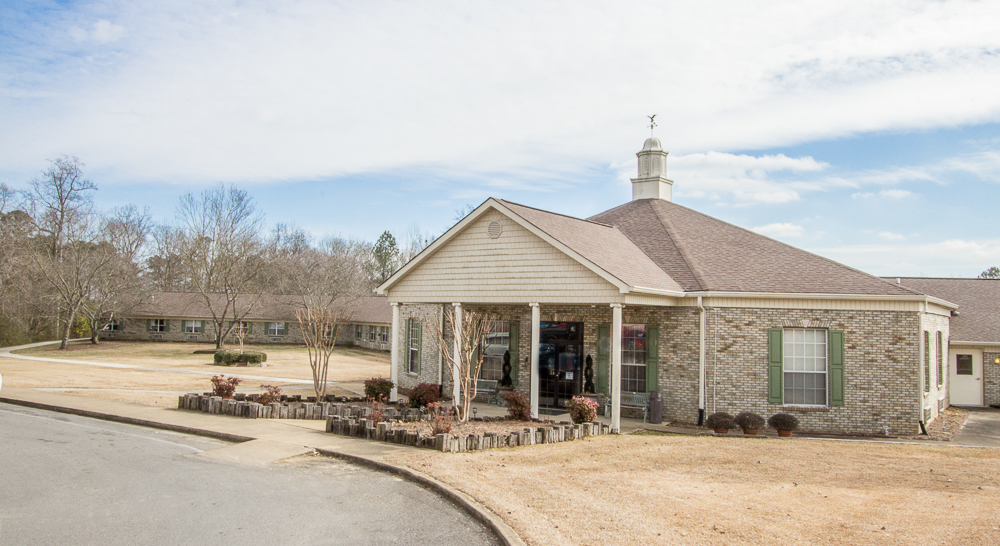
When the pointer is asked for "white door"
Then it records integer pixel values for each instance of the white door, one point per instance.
(966, 377)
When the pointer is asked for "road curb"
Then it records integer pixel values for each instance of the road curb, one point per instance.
(505, 533)
(482, 514)
(224, 436)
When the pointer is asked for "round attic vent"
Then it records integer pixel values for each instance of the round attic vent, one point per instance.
(495, 229)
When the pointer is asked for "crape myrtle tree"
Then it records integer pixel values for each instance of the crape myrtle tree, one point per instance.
(466, 330)
(326, 282)
(220, 254)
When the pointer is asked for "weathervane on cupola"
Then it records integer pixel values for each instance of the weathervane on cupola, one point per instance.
(652, 182)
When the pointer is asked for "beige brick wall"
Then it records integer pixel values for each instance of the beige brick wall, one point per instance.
(935, 401)
(991, 377)
(136, 330)
(429, 366)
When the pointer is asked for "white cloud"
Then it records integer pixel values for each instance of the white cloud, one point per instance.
(890, 236)
(780, 230)
(952, 257)
(891, 194)
(304, 89)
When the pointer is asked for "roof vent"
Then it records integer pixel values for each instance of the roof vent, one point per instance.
(495, 229)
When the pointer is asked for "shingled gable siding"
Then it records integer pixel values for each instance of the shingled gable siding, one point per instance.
(881, 363)
(429, 346)
(517, 265)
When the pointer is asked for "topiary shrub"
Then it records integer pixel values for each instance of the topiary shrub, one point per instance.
(720, 421)
(378, 389)
(225, 358)
(582, 409)
(423, 395)
(518, 407)
(251, 358)
(748, 421)
(783, 422)
(224, 386)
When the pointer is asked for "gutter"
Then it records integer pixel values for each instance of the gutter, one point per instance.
(813, 296)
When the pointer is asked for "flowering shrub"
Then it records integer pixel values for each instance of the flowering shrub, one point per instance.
(423, 394)
(582, 409)
(378, 388)
(518, 407)
(269, 394)
(224, 386)
(441, 425)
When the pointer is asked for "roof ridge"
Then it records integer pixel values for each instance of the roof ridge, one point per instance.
(668, 228)
(506, 202)
(941, 278)
(834, 262)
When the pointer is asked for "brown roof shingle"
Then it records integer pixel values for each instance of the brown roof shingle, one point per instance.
(978, 303)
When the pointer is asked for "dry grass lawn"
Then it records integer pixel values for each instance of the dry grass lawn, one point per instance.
(644, 489)
(346, 365)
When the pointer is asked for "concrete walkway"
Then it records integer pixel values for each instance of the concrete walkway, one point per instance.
(982, 429)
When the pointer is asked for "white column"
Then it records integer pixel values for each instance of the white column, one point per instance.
(536, 334)
(456, 389)
(616, 367)
(394, 371)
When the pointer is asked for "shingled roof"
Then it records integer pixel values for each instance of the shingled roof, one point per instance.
(191, 305)
(703, 253)
(978, 305)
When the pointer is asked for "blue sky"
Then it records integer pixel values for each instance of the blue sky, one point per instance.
(865, 132)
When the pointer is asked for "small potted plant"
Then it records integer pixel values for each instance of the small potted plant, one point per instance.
(750, 422)
(783, 423)
(720, 422)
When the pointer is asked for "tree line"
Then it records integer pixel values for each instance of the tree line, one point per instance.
(68, 267)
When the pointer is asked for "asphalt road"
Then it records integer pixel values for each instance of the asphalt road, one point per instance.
(73, 480)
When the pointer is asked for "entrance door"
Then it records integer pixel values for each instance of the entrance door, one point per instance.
(560, 364)
(966, 377)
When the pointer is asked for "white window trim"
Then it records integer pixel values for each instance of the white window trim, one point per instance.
(273, 330)
(825, 372)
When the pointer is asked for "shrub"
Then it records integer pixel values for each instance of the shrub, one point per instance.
(441, 425)
(720, 421)
(378, 388)
(228, 358)
(269, 394)
(748, 420)
(423, 395)
(224, 386)
(783, 421)
(518, 407)
(582, 409)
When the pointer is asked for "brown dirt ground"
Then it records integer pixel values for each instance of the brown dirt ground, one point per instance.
(346, 364)
(645, 489)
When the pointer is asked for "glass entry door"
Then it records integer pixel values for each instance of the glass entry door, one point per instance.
(560, 363)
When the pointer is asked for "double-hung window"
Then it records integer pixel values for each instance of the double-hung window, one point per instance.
(496, 343)
(634, 358)
(940, 358)
(384, 333)
(805, 367)
(192, 326)
(371, 334)
(277, 328)
(113, 326)
(158, 325)
(357, 331)
(413, 346)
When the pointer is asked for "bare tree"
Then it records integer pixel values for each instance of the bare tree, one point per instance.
(468, 334)
(68, 251)
(416, 240)
(319, 327)
(221, 253)
(164, 267)
(121, 289)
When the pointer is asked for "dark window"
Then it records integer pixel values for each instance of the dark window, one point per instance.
(963, 364)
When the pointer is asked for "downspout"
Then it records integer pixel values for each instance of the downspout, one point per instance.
(701, 363)
(441, 357)
(920, 366)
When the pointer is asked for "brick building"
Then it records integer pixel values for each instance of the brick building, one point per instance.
(269, 318)
(653, 296)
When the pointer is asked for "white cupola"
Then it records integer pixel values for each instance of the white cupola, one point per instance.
(652, 182)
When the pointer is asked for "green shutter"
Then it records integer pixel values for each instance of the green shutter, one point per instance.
(166, 326)
(149, 325)
(603, 356)
(420, 344)
(267, 328)
(201, 327)
(406, 345)
(513, 341)
(774, 366)
(652, 358)
(836, 367)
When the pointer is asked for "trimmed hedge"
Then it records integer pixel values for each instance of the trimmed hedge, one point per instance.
(229, 358)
